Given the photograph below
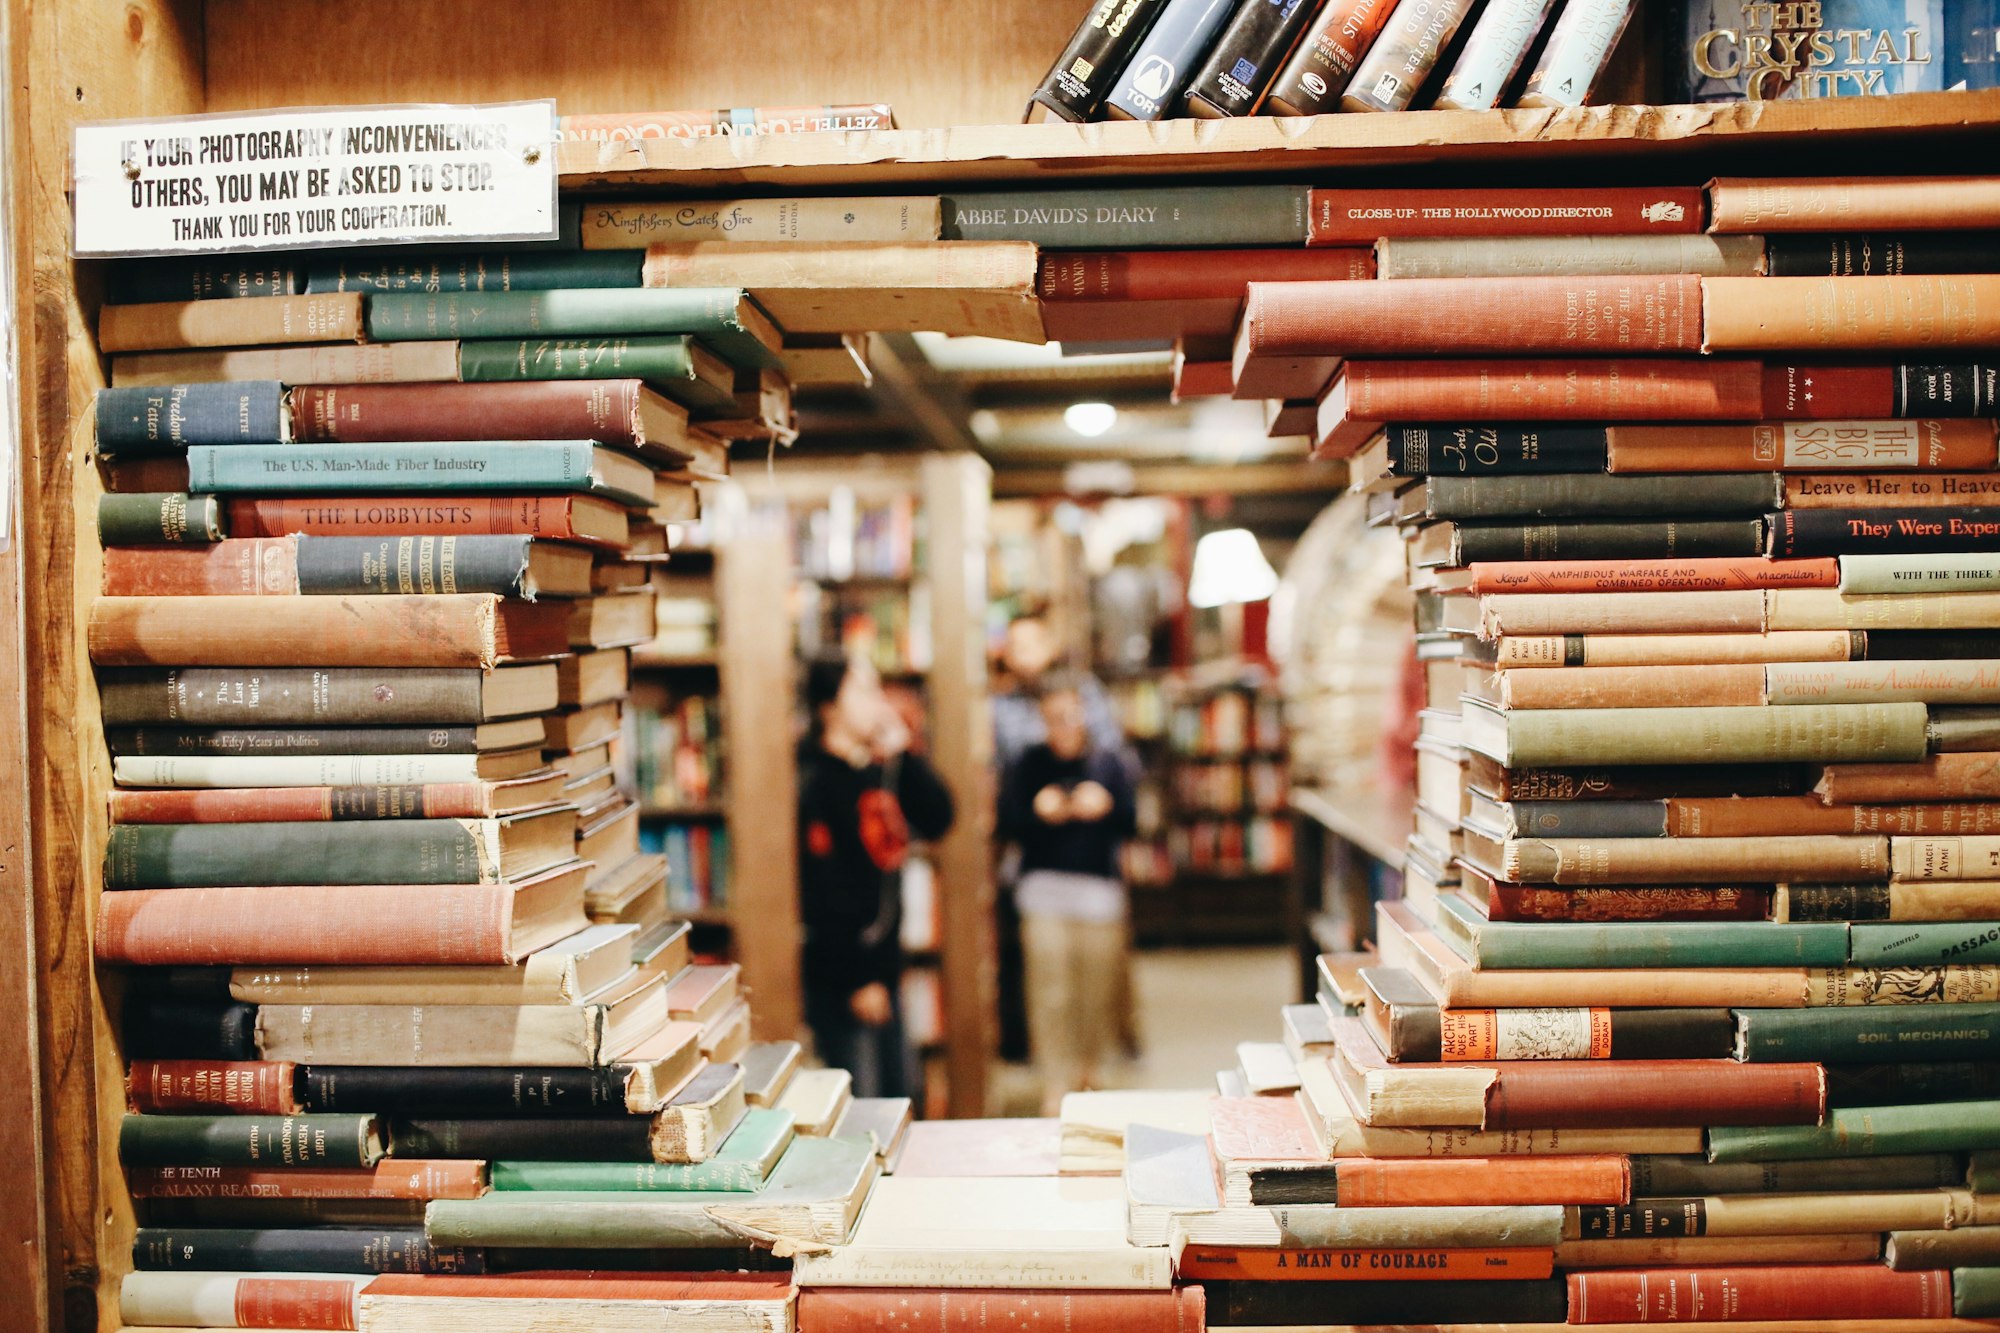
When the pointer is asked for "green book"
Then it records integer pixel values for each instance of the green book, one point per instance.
(154, 518)
(1983, 1174)
(483, 466)
(677, 365)
(1796, 733)
(250, 1140)
(484, 271)
(745, 1160)
(409, 851)
(1925, 944)
(1868, 1131)
(1501, 945)
(723, 318)
(1975, 1293)
(1131, 217)
(816, 1179)
(1865, 1034)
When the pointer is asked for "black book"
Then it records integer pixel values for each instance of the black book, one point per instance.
(746, 1260)
(1962, 390)
(1247, 58)
(1281, 1186)
(1479, 450)
(1650, 1218)
(1638, 782)
(1695, 495)
(1400, 1303)
(439, 1095)
(1908, 1084)
(1084, 73)
(263, 1214)
(545, 1139)
(1916, 645)
(1409, 1022)
(1456, 544)
(329, 1250)
(174, 1028)
(1657, 1176)
(142, 281)
(1804, 532)
(1866, 254)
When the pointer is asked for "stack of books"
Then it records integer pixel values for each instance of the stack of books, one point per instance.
(399, 990)
(1698, 949)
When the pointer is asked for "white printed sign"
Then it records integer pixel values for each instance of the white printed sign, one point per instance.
(276, 180)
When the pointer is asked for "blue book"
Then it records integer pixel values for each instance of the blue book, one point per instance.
(164, 418)
(1159, 72)
(482, 466)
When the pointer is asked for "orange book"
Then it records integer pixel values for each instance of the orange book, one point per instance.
(1215, 1263)
(1968, 776)
(443, 629)
(1927, 313)
(390, 1178)
(1435, 1182)
(1849, 204)
(1771, 446)
(1703, 574)
(1878, 490)
(1714, 685)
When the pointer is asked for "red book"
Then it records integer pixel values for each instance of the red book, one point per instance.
(896, 1310)
(1081, 276)
(1369, 392)
(617, 412)
(1786, 1292)
(576, 518)
(255, 1300)
(1692, 902)
(1200, 379)
(1560, 316)
(1426, 1182)
(1344, 217)
(390, 1178)
(236, 1087)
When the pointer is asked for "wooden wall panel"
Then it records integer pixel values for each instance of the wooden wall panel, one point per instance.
(968, 62)
(86, 60)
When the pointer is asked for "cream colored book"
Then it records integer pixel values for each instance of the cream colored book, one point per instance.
(566, 972)
(992, 1232)
(1968, 858)
(1829, 608)
(1328, 1226)
(1266, 1066)
(334, 363)
(692, 1125)
(1831, 1213)
(816, 1098)
(618, 225)
(727, 1036)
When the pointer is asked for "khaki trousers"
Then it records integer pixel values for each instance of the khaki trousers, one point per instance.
(1073, 970)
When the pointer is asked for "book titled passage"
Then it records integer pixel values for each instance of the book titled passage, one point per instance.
(283, 179)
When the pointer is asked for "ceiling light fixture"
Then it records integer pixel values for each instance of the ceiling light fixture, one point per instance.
(1090, 420)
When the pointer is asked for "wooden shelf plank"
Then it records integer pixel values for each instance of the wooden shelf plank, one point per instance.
(1376, 820)
(1266, 146)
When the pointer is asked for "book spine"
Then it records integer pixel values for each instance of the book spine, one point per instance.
(618, 126)
(1543, 257)
(1870, 1034)
(1428, 1183)
(170, 417)
(1975, 1291)
(361, 363)
(1132, 218)
(383, 925)
(1697, 575)
(280, 696)
(165, 856)
(635, 1177)
(1233, 1304)
(1293, 1263)
(1958, 1247)
(1839, 987)
(1941, 777)
(190, 1029)
(1182, 275)
(468, 1092)
(304, 469)
(336, 741)
(1946, 571)
(1716, 685)
(1578, 496)
(1650, 1251)
(1401, 60)
(1247, 58)
(1804, 733)
(1666, 540)
(1887, 490)
(1579, 46)
(1637, 784)
(1795, 204)
(619, 227)
(516, 271)
(1919, 314)
(142, 282)
(1101, 47)
(547, 516)
(1609, 650)
(394, 1178)
(1572, 1093)
(1325, 58)
(417, 1034)
(204, 772)
(1727, 817)
(1662, 944)
(600, 410)
(606, 1139)
(1657, 1176)
(1427, 450)
(240, 1087)
(1803, 446)
(1740, 612)
(952, 1310)
(240, 567)
(1959, 730)
(1788, 1293)
(716, 316)
(1955, 1126)
(1615, 389)
(262, 805)
(1878, 254)
(1522, 1034)
(1905, 944)
(249, 1140)
(1155, 79)
(330, 1250)
(1961, 682)
(405, 565)
(237, 1300)
(169, 325)
(1705, 861)
(1492, 55)
(160, 517)
(1589, 819)
(656, 360)
(1692, 902)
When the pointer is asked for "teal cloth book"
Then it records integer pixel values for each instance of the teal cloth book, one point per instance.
(1975, 1293)
(1501, 945)
(1870, 1034)
(673, 364)
(1866, 1131)
(723, 318)
(483, 271)
(485, 466)
(747, 1157)
(1925, 944)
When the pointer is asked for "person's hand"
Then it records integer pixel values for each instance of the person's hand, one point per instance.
(1089, 802)
(891, 735)
(1051, 805)
(871, 1005)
